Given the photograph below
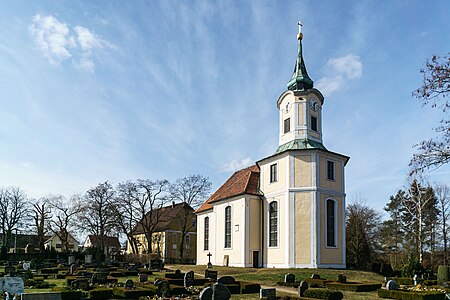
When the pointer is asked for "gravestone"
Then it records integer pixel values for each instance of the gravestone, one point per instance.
(342, 278)
(132, 268)
(416, 279)
(26, 266)
(99, 278)
(289, 278)
(315, 276)
(88, 259)
(302, 288)
(12, 285)
(270, 294)
(211, 274)
(165, 289)
(71, 259)
(158, 283)
(143, 277)
(10, 270)
(73, 269)
(129, 284)
(392, 285)
(42, 296)
(209, 266)
(156, 264)
(178, 274)
(226, 260)
(80, 284)
(217, 291)
(226, 280)
(189, 279)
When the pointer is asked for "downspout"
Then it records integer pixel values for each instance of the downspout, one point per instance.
(262, 231)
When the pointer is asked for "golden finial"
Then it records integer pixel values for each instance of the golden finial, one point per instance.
(300, 34)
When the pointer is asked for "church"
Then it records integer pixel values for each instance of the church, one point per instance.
(287, 210)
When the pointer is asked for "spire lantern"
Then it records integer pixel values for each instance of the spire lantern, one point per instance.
(300, 80)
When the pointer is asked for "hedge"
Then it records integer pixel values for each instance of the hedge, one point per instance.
(250, 287)
(71, 295)
(354, 287)
(402, 280)
(289, 284)
(324, 294)
(121, 292)
(100, 294)
(116, 274)
(317, 282)
(410, 295)
(145, 271)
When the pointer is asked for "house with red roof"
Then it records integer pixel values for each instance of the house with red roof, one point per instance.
(287, 210)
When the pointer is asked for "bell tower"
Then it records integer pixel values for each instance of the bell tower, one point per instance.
(300, 108)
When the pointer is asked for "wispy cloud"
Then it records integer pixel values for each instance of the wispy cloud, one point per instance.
(235, 165)
(341, 70)
(58, 42)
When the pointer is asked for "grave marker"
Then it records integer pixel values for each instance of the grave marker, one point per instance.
(315, 276)
(270, 294)
(143, 277)
(189, 279)
(302, 288)
(392, 285)
(289, 278)
(211, 274)
(129, 284)
(217, 292)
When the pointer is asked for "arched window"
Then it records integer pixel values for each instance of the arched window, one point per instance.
(331, 223)
(206, 235)
(228, 227)
(273, 224)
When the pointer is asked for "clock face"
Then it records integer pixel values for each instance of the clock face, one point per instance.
(287, 108)
(314, 104)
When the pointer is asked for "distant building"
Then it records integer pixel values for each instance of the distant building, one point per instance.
(166, 239)
(21, 241)
(110, 244)
(55, 242)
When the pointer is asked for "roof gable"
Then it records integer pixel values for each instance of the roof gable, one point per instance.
(245, 181)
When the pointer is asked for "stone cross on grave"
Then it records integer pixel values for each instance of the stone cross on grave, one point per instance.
(209, 260)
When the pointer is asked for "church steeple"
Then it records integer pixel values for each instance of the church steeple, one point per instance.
(300, 80)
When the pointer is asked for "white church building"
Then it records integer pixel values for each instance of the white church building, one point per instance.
(287, 210)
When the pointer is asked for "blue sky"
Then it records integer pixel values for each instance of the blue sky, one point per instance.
(95, 90)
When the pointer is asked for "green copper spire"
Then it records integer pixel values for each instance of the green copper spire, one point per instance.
(300, 80)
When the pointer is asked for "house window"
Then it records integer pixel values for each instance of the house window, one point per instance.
(206, 235)
(188, 252)
(228, 227)
(194, 223)
(273, 173)
(188, 240)
(273, 224)
(330, 170)
(313, 123)
(287, 125)
(331, 223)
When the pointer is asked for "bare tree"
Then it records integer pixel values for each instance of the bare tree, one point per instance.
(152, 196)
(434, 152)
(191, 190)
(362, 230)
(124, 211)
(97, 213)
(64, 215)
(442, 193)
(41, 217)
(13, 211)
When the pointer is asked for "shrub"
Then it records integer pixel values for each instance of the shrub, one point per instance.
(116, 274)
(402, 280)
(100, 294)
(324, 294)
(290, 284)
(250, 287)
(132, 294)
(411, 268)
(443, 273)
(410, 295)
(177, 290)
(317, 282)
(71, 295)
(354, 287)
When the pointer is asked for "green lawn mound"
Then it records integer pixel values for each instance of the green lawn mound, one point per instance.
(411, 295)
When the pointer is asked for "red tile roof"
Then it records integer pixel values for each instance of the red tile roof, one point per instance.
(162, 217)
(108, 241)
(245, 181)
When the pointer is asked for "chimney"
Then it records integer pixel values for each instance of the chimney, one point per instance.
(173, 204)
